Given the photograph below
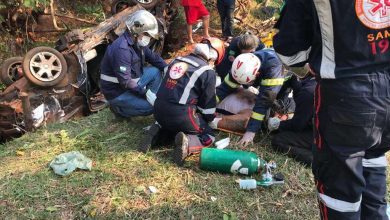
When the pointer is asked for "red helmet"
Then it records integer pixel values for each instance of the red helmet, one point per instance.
(217, 45)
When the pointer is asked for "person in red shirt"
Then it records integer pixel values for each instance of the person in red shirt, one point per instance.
(195, 10)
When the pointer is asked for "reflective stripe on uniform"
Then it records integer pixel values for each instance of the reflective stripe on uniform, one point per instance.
(339, 205)
(230, 83)
(208, 111)
(257, 116)
(328, 63)
(165, 70)
(272, 82)
(299, 57)
(191, 83)
(184, 59)
(109, 78)
(375, 162)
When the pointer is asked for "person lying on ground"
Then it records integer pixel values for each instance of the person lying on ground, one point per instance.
(245, 43)
(194, 11)
(295, 136)
(124, 77)
(186, 101)
(261, 69)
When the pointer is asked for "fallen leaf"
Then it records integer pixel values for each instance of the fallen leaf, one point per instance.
(213, 198)
(19, 153)
(287, 193)
(93, 213)
(51, 209)
(139, 189)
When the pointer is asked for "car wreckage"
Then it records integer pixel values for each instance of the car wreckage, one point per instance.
(55, 84)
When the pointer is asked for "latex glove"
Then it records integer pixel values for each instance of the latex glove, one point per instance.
(253, 90)
(247, 138)
(151, 97)
(273, 123)
(214, 123)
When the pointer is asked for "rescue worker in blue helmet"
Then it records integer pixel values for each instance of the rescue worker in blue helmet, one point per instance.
(186, 100)
(263, 70)
(125, 80)
(347, 46)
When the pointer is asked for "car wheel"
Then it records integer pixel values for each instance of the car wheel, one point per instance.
(119, 5)
(11, 70)
(44, 66)
(147, 4)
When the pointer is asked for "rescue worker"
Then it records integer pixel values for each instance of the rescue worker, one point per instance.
(246, 43)
(295, 136)
(186, 101)
(265, 73)
(125, 81)
(347, 46)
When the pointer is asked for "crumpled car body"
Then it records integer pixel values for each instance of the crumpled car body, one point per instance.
(78, 92)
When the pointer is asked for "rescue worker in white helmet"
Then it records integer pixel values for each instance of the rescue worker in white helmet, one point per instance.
(261, 69)
(125, 80)
(186, 101)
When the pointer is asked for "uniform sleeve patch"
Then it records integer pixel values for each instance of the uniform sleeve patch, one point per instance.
(178, 70)
(122, 69)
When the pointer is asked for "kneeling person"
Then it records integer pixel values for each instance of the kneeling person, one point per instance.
(186, 100)
(262, 70)
(295, 136)
(124, 78)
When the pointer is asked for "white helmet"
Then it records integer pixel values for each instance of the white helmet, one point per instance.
(205, 51)
(245, 68)
(143, 21)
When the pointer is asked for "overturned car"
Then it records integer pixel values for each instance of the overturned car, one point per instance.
(56, 84)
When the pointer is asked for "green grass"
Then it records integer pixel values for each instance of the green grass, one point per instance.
(117, 185)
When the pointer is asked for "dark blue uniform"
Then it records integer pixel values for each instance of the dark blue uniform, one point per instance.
(347, 46)
(231, 53)
(186, 98)
(303, 94)
(125, 62)
(295, 136)
(269, 82)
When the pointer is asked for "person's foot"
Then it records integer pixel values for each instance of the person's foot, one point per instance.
(206, 36)
(181, 148)
(119, 117)
(149, 139)
(191, 41)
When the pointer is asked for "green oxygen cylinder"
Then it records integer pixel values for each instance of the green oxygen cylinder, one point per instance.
(230, 161)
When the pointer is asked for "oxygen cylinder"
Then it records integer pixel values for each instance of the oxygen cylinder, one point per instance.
(230, 161)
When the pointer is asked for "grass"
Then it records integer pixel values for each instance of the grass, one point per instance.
(117, 186)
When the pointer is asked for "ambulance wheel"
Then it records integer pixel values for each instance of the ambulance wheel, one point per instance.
(44, 66)
(11, 70)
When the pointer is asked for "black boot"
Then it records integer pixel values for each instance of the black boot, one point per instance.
(150, 138)
(181, 148)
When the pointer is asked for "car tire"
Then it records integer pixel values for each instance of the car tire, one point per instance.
(147, 4)
(44, 66)
(9, 70)
(119, 5)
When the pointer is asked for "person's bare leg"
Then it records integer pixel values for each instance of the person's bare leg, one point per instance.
(206, 22)
(189, 32)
